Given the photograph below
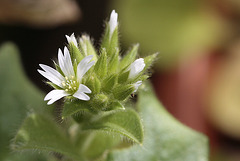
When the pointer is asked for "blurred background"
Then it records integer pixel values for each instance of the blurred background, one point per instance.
(197, 74)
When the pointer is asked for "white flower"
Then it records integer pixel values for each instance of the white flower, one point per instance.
(136, 67)
(72, 39)
(113, 21)
(136, 85)
(70, 81)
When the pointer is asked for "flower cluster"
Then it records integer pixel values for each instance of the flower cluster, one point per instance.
(104, 81)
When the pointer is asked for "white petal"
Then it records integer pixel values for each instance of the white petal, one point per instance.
(84, 89)
(113, 21)
(136, 85)
(65, 62)
(84, 66)
(60, 59)
(55, 95)
(136, 67)
(51, 74)
(72, 39)
(80, 94)
(68, 62)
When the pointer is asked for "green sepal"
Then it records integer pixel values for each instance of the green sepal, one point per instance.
(109, 83)
(144, 77)
(75, 53)
(58, 68)
(116, 105)
(99, 101)
(75, 64)
(110, 42)
(74, 106)
(54, 85)
(114, 62)
(129, 57)
(123, 76)
(100, 67)
(114, 44)
(123, 91)
(149, 60)
(106, 37)
(126, 123)
(87, 47)
(94, 84)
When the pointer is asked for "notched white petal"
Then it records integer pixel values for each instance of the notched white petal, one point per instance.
(65, 62)
(60, 59)
(84, 89)
(84, 66)
(51, 74)
(80, 94)
(55, 95)
(71, 39)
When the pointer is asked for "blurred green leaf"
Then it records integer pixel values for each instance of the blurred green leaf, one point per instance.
(93, 144)
(165, 138)
(17, 96)
(124, 122)
(39, 132)
(178, 29)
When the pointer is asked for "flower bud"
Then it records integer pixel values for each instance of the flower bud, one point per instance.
(73, 48)
(100, 102)
(75, 53)
(110, 38)
(86, 47)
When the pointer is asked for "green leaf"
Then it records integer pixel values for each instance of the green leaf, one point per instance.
(73, 107)
(40, 132)
(93, 144)
(17, 97)
(124, 122)
(165, 138)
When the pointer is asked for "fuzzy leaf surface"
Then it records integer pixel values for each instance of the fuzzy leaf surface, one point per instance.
(127, 123)
(18, 96)
(165, 139)
(40, 132)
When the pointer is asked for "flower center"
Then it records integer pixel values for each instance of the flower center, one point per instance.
(70, 84)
